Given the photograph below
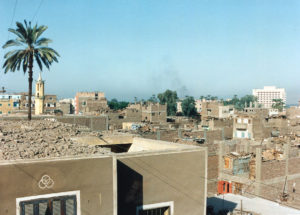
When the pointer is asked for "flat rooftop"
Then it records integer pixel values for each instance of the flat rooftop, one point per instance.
(255, 205)
(44, 139)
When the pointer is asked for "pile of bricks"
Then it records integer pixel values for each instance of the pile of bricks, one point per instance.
(43, 139)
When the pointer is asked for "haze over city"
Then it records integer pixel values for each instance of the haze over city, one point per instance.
(133, 49)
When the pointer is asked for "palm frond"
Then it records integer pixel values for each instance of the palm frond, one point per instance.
(28, 37)
(20, 37)
(43, 42)
(21, 30)
(12, 43)
(39, 31)
(37, 58)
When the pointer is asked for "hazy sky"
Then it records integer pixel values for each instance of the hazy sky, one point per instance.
(142, 47)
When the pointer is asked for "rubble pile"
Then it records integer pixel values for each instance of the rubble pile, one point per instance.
(43, 139)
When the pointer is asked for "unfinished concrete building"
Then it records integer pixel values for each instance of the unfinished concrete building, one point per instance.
(124, 175)
(269, 169)
(90, 103)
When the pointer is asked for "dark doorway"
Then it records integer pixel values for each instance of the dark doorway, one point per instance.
(130, 189)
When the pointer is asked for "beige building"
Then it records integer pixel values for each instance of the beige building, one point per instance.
(90, 103)
(149, 112)
(266, 95)
(216, 109)
(243, 126)
(43, 103)
(6, 106)
(39, 96)
(179, 107)
(9, 103)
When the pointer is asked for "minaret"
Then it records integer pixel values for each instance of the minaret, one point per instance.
(39, 96)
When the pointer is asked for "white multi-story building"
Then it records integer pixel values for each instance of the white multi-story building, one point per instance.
(266, 96)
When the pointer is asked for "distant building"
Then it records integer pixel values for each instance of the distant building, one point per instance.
(43, 103)
(150, 112)
(266, 95)
(9, 103)
(243, 126)
(90, 102)
(39, 96)
(198, 106)
(179, 107)
(66, 106)
(216, 109)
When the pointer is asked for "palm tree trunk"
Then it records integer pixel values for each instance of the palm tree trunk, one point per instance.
(30, 85)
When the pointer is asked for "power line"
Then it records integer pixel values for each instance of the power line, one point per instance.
(36, 12)
(13, 17)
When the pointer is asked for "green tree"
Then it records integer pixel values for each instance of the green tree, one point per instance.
(278, 104)
(188, 106)
(153, 99)
(32, 48)
(169, 97)
(239, 103)
(114, 104)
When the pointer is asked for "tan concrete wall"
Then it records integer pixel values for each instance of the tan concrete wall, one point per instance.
(97, 123)
(212, 174)
(93, 177)
(294, 165)
(178, 177)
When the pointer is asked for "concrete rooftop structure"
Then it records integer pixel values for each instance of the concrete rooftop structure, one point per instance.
(109, 174)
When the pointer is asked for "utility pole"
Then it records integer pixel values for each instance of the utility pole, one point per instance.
(241, 207)
(3, 90)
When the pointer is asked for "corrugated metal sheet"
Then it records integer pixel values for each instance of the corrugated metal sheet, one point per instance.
(241, 165)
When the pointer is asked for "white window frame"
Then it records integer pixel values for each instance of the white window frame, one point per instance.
(157, 205)
(50, 195)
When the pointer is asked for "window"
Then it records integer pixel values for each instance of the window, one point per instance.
(0, 112)
(155, 211)
(66, 203)
(8, 112)
(55, 206)
(243, 134)
(0, 104)
(164, 208)
(8, 104)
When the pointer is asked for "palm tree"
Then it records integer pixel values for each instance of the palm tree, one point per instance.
(32, 48)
